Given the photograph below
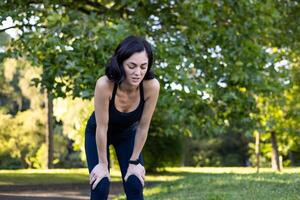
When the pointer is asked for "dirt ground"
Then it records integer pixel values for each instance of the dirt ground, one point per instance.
(53, 192)
(56, 192)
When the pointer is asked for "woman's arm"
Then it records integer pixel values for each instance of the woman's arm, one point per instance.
(151, 96)
(101, 104)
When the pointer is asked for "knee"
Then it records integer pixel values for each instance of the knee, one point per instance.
(134, 185)
(101, 191)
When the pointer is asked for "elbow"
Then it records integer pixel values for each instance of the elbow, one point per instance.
(101, 130)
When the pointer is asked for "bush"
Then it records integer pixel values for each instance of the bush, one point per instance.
(162, 150)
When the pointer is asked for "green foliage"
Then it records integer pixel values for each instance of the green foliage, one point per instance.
(21, 136)
(73, 115)
(21, 133)
(226, 150)
(161, 151)
(214, 59)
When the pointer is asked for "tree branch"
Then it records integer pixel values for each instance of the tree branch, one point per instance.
(21, 26)
(2, 30)
(82, 6)
(88, 7)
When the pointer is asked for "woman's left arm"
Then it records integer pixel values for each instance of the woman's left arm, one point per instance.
(151, 96)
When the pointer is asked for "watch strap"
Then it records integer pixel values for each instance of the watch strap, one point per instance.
(134, 162)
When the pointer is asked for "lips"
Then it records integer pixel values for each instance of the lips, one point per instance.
(136, 79)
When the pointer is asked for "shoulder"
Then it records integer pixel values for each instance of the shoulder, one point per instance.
(152, 84)
(151, 87)
(104, 85)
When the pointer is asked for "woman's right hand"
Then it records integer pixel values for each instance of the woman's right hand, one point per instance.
(99, 172)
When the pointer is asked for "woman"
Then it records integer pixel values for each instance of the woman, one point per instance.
(125, 99)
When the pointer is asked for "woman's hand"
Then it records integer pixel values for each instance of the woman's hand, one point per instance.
(100, 171)
(138, 171)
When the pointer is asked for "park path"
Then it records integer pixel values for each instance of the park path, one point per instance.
(53, 192)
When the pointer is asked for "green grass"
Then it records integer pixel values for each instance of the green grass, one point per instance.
(53, 176)
(183, 183)
(226, 184)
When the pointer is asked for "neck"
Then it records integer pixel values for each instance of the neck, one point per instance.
(127, 87)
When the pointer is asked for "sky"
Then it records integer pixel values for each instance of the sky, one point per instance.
(8, 23)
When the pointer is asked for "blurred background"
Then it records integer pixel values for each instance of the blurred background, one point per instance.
(229, 74)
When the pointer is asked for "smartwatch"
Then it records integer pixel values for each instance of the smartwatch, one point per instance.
(134, 162)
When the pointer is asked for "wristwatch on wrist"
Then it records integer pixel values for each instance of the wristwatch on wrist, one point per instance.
(134, 162)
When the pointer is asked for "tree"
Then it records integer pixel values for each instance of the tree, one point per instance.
(210, 55)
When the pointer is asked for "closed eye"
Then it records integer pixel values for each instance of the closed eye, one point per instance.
(144, 66)
(131, 66)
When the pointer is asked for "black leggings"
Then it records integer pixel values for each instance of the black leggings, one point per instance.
(124, 148)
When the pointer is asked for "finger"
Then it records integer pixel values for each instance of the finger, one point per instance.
(142, 177)
(96, 183)
(93, 179)
(142, 180)
(142, 168)
(138, 175)
(126, 177)
(144, 171)
(93, 171)
(91, 175)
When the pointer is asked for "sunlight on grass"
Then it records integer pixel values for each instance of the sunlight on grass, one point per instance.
(152, 191)
(48, 176)
(154, 177)
(46, 171)
(218, 170)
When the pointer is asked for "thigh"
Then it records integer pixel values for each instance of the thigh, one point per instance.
(124, 149)
(91, 147)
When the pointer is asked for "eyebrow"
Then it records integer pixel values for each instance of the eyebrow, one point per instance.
(136, 64)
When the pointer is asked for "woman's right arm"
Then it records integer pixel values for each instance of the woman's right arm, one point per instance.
(101, 104)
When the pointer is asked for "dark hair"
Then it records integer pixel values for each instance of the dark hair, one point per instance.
(130, 45)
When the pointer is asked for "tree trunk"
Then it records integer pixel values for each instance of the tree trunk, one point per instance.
(257, 150)
(275, 154)
(49, 129)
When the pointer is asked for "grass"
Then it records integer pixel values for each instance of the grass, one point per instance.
(53, 176)
(227, 184)
(183, 183)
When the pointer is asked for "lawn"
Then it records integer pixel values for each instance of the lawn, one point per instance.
(183, 183)
(227, 184)
(53, 176)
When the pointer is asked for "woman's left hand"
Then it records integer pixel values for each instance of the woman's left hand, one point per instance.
(138, 171)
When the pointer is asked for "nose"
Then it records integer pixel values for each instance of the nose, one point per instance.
(138, 71)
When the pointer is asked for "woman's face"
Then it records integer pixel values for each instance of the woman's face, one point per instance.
(135, 67)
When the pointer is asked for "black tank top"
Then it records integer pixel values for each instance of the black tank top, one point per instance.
(121, 122)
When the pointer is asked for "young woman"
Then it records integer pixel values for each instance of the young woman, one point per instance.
(125, 99)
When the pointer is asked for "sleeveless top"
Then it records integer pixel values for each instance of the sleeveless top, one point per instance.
(120, 123)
